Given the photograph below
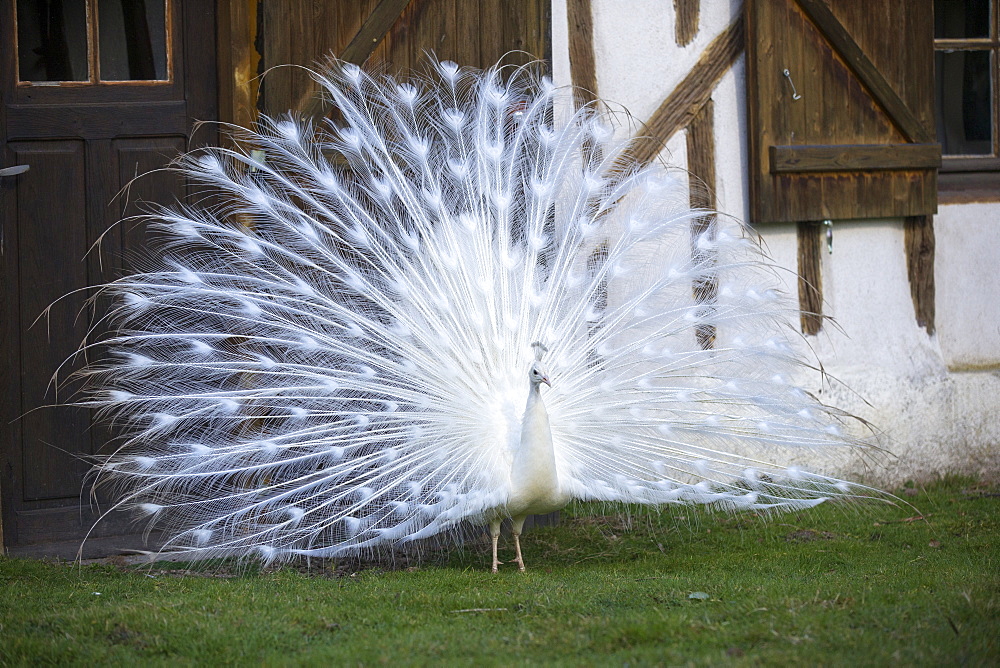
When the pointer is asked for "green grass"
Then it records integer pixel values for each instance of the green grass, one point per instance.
(832, 586)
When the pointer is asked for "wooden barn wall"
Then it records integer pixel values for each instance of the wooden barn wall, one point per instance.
(262, 42)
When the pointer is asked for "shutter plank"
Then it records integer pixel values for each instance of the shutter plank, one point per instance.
(854, 157)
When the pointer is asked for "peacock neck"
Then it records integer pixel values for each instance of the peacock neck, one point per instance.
(535, 481)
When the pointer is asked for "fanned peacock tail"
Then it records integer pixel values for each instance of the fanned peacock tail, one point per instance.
(332, 359)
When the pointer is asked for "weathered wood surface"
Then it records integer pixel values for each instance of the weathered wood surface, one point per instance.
(864, 74)
(581, 50)
(810, 241)
(372, 31)
(701, 196)
(686, 20)
(913, 127)
(388, 36)
(238, 62)
(854, 157)
(918, 237)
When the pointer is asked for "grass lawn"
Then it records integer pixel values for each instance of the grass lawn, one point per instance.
(833, 586)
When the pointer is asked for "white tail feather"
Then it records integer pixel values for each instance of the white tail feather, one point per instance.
(333, 359)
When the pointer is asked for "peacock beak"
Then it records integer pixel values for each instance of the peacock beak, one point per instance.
(545, 379)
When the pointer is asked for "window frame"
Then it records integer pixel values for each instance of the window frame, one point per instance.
(94, 56)
(973, 178)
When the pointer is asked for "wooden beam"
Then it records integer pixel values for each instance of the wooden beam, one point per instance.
(810, 276)
(897, 110)
(918, 237)
(701, 157)
(853, 157)
(701, 196)
(581, 51)
(692, 93)
(685, 21)
(372, 31)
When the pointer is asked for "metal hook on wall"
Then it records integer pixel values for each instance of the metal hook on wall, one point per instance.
(788, 75)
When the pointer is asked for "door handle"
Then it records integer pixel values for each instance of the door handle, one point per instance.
(15, 170)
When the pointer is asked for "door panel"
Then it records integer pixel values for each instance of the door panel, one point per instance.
(90, 144)
(51, 209)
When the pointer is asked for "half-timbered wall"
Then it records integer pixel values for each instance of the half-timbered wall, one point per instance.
(915, 341)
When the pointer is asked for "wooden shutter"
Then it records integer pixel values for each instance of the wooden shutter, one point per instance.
(849, 131)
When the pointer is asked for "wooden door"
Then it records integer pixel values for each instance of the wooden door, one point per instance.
(96, 93)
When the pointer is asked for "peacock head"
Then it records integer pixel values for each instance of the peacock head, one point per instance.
(538, 375)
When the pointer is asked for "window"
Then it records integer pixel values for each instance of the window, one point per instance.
(966, 89)
(92, 41)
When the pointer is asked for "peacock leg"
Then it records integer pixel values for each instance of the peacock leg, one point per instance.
(518, 526)
(495, 534)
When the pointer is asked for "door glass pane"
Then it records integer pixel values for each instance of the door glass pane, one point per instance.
(52, 40)
(956, 19)
(963, 99)
(133, 39)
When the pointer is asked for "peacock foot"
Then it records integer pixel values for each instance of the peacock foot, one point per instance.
(517, 546)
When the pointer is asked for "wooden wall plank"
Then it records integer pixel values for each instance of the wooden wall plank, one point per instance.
(350, 16)
(372, 31)
(273, 41)
(238, 60)
(899, 112)
(467, 22)
(337, 24)
(387, 36)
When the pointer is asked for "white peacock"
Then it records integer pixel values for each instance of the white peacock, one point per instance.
(346, 354)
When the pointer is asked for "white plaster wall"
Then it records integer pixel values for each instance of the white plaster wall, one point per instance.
(936, 398)
(967, 280)
(885, 368)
